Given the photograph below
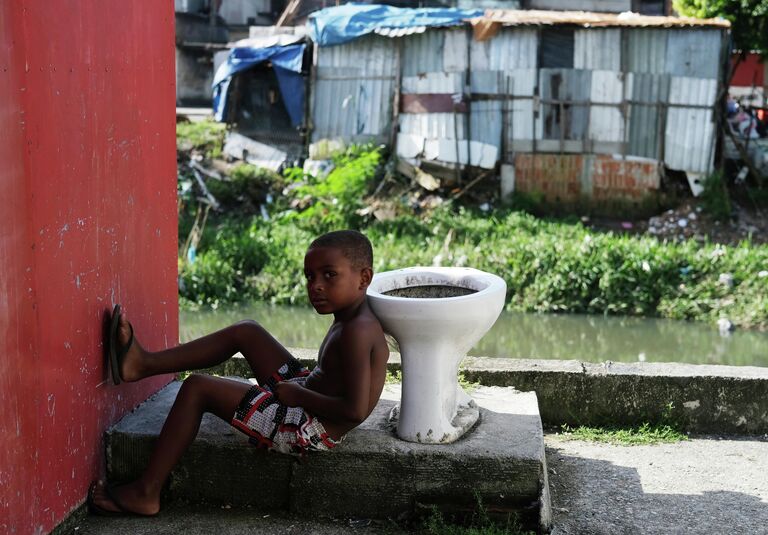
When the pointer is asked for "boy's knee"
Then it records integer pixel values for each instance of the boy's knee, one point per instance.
(248, 327)
(193, 385)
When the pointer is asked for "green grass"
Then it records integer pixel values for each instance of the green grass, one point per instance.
(479, 524)
(206, 136)
(549, 266)
(394, 377)
(645, 434)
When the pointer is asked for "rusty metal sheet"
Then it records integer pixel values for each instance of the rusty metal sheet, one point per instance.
(557, 176)
(570, 178)
(431, 103)
(616, 178)
(433, 82)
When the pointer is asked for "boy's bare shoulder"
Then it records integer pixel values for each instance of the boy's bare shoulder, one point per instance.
(364, 325)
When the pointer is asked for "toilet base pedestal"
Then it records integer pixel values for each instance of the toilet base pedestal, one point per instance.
(465, 419)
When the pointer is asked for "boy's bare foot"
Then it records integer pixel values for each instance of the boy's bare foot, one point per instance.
(130, 364)
(130, 499)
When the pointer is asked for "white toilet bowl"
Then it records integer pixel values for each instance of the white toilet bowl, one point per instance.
(434, 332)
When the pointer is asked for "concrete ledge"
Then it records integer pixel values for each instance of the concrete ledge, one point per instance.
(704, 398)
(371, 474)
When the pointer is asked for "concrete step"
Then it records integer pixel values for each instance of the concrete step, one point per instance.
(372, 474)
(204, 520)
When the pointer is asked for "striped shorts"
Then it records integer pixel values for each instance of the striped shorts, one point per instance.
(270, 424)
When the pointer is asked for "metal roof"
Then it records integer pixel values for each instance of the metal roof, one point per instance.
(488, 24)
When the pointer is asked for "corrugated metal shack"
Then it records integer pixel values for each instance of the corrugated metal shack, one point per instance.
(573, 105)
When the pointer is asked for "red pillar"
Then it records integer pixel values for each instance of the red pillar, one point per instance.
(87, 219)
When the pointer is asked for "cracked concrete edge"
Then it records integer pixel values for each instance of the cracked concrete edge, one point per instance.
(695, 398)
(368, 452)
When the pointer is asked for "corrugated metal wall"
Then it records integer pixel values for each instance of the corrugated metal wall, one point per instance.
(641, 92)
(597, 49)
(353, 90)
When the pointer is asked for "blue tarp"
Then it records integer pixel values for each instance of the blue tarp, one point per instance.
(337, 25)
(286, 61)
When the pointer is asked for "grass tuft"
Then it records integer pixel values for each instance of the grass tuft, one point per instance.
(644, 435)
(479, 524)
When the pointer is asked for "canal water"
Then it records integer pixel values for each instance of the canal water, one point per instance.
(537, 336)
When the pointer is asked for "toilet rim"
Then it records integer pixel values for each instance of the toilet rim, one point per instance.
(492, 283)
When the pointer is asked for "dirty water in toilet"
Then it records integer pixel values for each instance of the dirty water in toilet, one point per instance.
(431, 291)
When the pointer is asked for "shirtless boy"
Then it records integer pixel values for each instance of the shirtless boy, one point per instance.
(291, 410)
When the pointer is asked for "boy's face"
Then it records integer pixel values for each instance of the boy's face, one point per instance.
(332, 282)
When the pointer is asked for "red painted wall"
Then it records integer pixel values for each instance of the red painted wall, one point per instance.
(87, 219)
(749, 71)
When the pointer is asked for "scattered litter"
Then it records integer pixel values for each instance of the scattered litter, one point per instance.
(208, 197)
(626, 225)
(763, 274)
(324, 149)
(359, 522)
(485, 207)
(425, 180)
(249, 150)
(726, 279)
(725, 326)
(318, 168)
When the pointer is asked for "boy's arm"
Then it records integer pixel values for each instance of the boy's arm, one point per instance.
(354, 348)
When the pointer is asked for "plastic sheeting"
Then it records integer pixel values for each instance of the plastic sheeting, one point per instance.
(341, 24)
(286, 60)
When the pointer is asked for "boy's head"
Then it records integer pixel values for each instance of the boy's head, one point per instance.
(338, 268)
(352, 244)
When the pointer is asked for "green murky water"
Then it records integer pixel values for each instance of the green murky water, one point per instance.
(586, 338)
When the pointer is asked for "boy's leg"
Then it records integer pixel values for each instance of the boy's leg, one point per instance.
(198, 394)
(264, 354)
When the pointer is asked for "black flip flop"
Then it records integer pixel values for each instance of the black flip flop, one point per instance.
(116, 350)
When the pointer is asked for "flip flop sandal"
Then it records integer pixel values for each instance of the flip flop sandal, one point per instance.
(116, 350)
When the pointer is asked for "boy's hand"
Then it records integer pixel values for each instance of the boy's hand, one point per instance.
(289, 394)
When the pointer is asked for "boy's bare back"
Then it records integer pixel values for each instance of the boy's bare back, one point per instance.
(353, 356)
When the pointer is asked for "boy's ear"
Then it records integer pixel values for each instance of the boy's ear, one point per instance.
(366, 275)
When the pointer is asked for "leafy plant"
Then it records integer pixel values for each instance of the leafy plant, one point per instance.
(748, 18)
(335, 200)
(715, 199)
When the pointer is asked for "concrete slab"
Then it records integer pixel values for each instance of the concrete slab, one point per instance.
(371, 474)
(704, 398)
